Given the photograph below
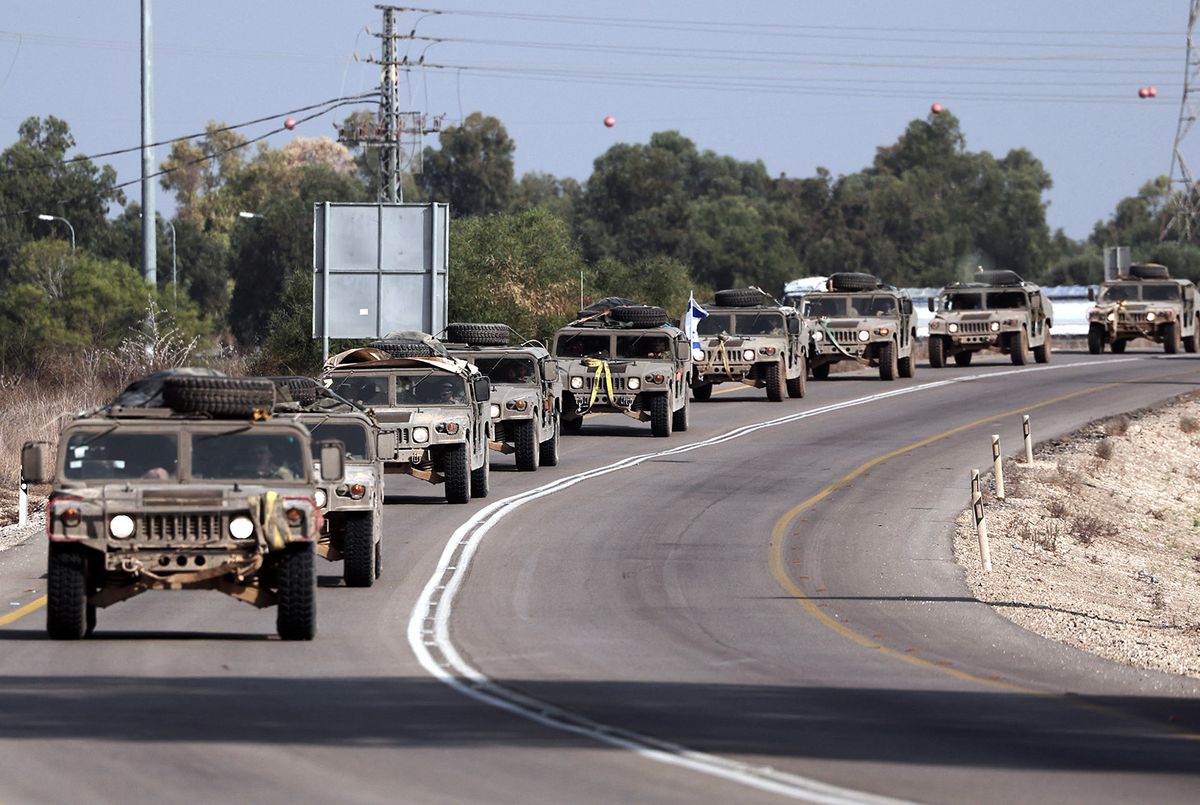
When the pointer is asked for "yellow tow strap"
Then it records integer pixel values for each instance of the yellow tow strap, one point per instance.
(838, 347)
(602, 371)
(269, 519)
(724, 356)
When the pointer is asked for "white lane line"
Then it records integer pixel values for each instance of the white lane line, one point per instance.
(440, 658)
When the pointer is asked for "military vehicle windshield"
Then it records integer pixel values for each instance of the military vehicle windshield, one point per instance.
(1160, 293)
(582, 345)
(430, 388)
(1119, 293)
(365, 390)
(976, 300)
(715, 324)
(353, 436)
(759, 324)
(643, 346)
(826, 306)
(507, 370)
(121, 455)
(241, 453)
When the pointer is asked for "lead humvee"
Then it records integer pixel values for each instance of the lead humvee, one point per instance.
(186, 481)
(999, 311)
(749, 338)
(1146, 303)
(859, 318)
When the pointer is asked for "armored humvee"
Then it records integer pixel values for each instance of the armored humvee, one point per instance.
(749, 338)
(435, 404)
(623, 357)
(997, 311)
(860, 319)
(186, 481)
(526, 402)
(1145, 304)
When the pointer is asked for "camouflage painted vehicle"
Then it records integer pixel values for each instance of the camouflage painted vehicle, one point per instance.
(435, 405)
(623, 357)
(749, 338)
(201, 488)
(997, 311)
(860, 319)
(1145, 304)
(526, 404)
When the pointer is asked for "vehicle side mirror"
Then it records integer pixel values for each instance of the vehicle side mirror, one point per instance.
(793, 326)
(683, 351)
(37, 463)
(483, 389)
(1091, 294)
(551, 368)
(932, 306)
(385, 444)
(333, 461)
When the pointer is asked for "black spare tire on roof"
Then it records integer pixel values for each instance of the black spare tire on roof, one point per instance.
(223, 397)
(303, 390)
(853, 281)
(640, 315)
(1149, 271)
(479, 335)
(605, 305)
(147, 392)
(1001, 276)
(741, 297)
(404, 349)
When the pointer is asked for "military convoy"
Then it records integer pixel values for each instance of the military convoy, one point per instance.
(1144, 303)
(859, 318)
(750, 338)
(998, 311)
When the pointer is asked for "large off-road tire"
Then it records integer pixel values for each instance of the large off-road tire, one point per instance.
(573, 425)
(774, 376)
(907, 366)
(303, 390)
(456, 468)
(1118, 346)
(1042, 353)
(681, 418)
(963, 358)
(378, 558)
(997, 277)
(358, 549)
(798, 386)
(1018, 348)
(66, 593)
(640, 315)
(703, 392)
(740, 297)
(1149, 271)
(233, 397)
(549, 448)
(481, 479)
(404, 349)
(853, 281)
(524, 436)
(821, 371)
(296, 576)
(660, 415)
(478, 335)
(888, 364)
(1189, 343)
(937, 352)
(1170, 337)
(1095, 338)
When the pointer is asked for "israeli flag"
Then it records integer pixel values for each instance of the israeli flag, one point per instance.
(690, 319)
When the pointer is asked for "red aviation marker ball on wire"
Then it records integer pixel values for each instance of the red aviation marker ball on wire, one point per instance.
(289, 124)
(609, 122)
(1143, 93)
(1153, 92)
(936, 108)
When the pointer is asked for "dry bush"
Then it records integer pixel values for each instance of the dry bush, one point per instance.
(1189, 424)
(1157, 514)
(1105, 449)
(1087, 528)
(1044, 536)
(1158, 600)
(1057, 509)
(1067, 478)
(1117, 426)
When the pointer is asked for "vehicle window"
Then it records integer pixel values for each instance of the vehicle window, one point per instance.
(1118, 293)
(826, 306)
(241, 454)
(962, 301)
(874, 306)
(581, 345)
(643, 346)
(759, 324)
(715, 324)
(430, 388)
(354, 437)
(96, 455)
(507, 370)
(1001, 300)
(365, 390)
(1160, 293)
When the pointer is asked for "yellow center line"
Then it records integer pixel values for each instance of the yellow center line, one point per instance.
(17, 614)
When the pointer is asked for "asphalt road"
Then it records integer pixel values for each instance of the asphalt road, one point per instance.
(744, 612)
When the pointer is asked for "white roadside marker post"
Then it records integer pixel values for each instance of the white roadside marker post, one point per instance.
(22, 501)
(1028, 439)
(985, 553)
(998, 467)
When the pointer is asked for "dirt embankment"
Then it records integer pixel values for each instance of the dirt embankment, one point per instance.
(1097, 543)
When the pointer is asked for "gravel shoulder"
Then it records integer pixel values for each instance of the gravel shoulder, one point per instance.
(1097, 544)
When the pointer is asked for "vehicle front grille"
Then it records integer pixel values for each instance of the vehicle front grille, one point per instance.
(845, 336)
(973, 327)
(1132, 319)
(733, 355)
(618, 384)
(180, 527)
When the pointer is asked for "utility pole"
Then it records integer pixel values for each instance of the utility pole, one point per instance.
(1185, 220)
(149, 219)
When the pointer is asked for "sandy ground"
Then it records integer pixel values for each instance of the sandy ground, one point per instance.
(1097, 544)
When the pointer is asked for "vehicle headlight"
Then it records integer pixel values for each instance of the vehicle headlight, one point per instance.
(747, 354)
(577, 382)
(1150, 316)
(883, 331)
(241, 528)
(864, 335)
(995, 326)
(698, 354)
(818, 335)
(1112, 316)
(633, 384)
(952, 327)
(494, 411)
(121, 526)
(420, 435)
(320, 498)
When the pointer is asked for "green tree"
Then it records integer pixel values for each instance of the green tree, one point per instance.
(472, 169)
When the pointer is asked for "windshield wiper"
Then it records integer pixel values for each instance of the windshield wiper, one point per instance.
(99, 435)
(241, 429)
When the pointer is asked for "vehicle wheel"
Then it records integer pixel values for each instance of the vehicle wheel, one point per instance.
(1118, 346)
(1042, 354)
(963, 358)
(573, 425)
(378, 558)
(234, 397)
(91, 619)
(549, 448)
(456, 468)
(405, 349)
(773, 375)
(358, 550)
(303, 390)
(295, 573)
(1018, 349)
(1170, 337)
(524, 436)
(66, 593)
(821, 371)
(703, 392)
(888, 365)
(907, 366)
(680, 419)
(853, 281)
(740, 297)
(798, 385)
(660, 415)
(640, 315)
(1189, 343)
(937, 352)
(1096, 339)
(481, 479)
(478, 335)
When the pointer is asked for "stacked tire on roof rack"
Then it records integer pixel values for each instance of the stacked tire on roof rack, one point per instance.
(478, 335)
(853, 281)
(220, 397)
(741, 297)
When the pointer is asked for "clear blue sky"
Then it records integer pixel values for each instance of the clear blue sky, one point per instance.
(793, 83)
